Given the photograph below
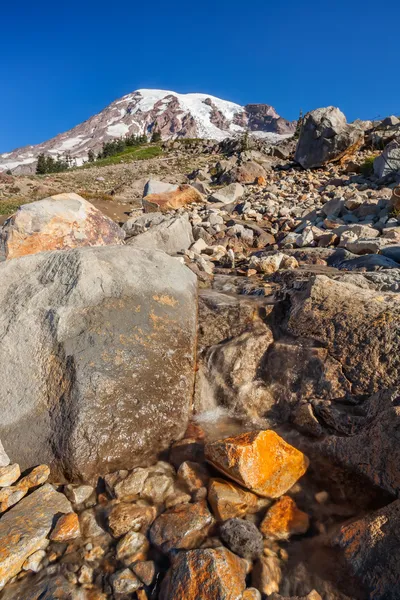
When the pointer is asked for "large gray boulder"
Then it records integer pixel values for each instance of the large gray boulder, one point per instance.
(96, 358)
(325, 136)
(169, 234)
(388, 161)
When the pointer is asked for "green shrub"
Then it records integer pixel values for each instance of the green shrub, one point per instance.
(367, 168)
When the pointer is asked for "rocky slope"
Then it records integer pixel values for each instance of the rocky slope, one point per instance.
(250, 456)
(174, 115)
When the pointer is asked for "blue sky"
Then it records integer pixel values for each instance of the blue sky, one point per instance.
(62, 62)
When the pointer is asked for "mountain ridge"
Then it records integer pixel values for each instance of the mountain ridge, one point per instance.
(140, 112)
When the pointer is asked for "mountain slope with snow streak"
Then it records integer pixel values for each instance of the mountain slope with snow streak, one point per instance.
(174, 115)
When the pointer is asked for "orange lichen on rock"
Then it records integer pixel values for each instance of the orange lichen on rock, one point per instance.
(284, 519)
(261, 461)
(207, 573)
(185, 194)
(67, 528)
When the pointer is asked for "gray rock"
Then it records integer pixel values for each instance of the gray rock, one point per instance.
(242, 537)
(325, 135)
(110, 329)
(153, 186)
(4, 459)
(170, 235)
(136, 225)
(24, 528)
(228, 194)
(41, 587)
(388, 161)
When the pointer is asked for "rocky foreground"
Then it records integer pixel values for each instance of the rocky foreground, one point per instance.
(203, 403)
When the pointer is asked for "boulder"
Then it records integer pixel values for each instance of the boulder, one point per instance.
(325, 136)
(153, 186)
(228, 194)
(350, 323)
(207, 573)
(389, 161)
(261, 461)
(59, 222)
(26, 526)
(165, 201)
(171, 235)
(110, 329)
(371, 549)
(247, 172)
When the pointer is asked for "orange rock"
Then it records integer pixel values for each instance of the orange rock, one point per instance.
(215, 574)
(284, 519)
(259, 460)
(67, 528)
(185, 194)
(37, 476)
(261, 181)
(228, 500)
(57, 223)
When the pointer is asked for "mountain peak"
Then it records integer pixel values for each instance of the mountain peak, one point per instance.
(193, 115)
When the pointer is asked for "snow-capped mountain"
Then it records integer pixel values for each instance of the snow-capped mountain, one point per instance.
(174, 115)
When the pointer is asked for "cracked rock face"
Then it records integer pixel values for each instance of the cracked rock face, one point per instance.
(91, 339)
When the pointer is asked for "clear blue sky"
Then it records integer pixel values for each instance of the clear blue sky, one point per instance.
(61, 62)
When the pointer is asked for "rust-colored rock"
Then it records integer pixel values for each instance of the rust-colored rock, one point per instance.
(212, 574)
(195, 475)
(37, 476)
(67, 528)
(261, 461)
(25, 527)
(228, 500)
(125, 517)
(284, 519)
(183, 527)
(261, 181)
(59, 222)
(185, 194)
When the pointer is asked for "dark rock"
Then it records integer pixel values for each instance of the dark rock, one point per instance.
(242, 538)
(371, 547)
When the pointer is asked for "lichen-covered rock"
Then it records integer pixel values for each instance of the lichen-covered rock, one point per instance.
(67, 528)
(260, 461)
(209, 573)
(59, 222)
(284, 519)
(111, 329)
(24, 528)
(183, 527)
(164, 201)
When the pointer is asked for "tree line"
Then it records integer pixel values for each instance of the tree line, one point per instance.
(49, 164)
